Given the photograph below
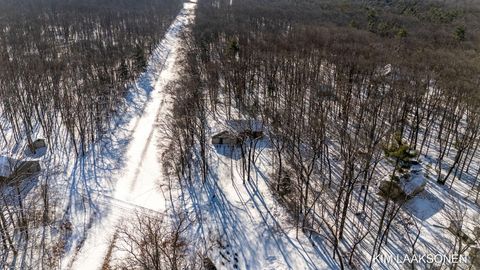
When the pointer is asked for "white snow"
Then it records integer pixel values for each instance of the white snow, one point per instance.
(137, 183)
(232, 218)
(242, 226)
(414, 185)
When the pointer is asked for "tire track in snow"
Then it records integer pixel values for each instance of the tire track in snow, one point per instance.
(136, 183)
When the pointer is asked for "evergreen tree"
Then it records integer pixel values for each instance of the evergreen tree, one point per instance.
(460, 33)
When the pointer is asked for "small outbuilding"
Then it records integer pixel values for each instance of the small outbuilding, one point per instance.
(252, 134)
(240, 125)
(251, 129)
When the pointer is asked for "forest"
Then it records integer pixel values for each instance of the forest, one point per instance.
(348, 91)
(67, 63)
(65, 68)
(353, 132)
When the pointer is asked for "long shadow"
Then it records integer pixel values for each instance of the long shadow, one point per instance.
(228, 151)
(14, 193)
(256, 193)
(212, 206)
(280, 245)
(261, 207)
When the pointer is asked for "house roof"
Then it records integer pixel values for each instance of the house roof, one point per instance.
(224, 133)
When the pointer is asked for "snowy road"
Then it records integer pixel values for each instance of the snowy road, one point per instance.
(137, 183)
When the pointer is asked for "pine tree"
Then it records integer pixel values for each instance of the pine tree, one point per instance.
(460, 33)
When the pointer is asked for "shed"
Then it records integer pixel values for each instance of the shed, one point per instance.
(225, 138)
(36, 148)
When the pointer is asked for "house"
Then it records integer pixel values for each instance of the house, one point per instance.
(16, 170)
(24, 169)
(225, 138)
(238, 130)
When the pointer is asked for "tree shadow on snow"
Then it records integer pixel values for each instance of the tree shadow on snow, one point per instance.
(228, 151)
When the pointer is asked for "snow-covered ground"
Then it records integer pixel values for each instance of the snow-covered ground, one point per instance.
(249, 228)
(240, 226)
(243, 226)
(137, 185)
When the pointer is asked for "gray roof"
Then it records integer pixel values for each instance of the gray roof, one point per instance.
(224, 134)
